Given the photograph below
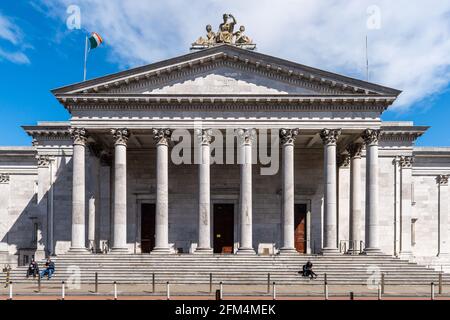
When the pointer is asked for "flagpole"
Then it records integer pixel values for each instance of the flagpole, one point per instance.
(85, 57)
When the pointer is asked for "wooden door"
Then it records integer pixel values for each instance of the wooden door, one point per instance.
(147, 227)
(223, 228)
(300, 227)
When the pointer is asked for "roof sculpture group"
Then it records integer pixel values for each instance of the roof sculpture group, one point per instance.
(225, 34)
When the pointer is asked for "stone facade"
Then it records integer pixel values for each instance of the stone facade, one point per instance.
(365, 187)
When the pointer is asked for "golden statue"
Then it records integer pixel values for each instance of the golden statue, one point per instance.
(225, 33)
(240, 37)
(209, 40)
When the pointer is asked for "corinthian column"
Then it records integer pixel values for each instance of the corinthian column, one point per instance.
(245, 137)
(371, 137)
(78, 243)
(354, 151)
(287, 139)
(120, 190)
(406, 207)
(204, 202)
(162, 138)
(329, 138)
(444, 249)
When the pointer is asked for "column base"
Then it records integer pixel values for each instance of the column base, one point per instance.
(330, 252)
(372, 252)
(246, 251)
(78, 251)
(161, 251)
(204, 251)
(407, 255)
(119, 250)
(353, 252)
(288, 251)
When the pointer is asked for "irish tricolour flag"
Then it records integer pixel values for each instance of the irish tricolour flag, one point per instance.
(95, 40)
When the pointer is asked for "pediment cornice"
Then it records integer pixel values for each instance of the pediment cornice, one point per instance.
(225, 55)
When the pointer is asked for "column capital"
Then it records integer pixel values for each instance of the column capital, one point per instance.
(79, 136)
(355, 150)
(343, 160)
(330, 136)
(204, 136)
(442, 180)
(371, 136)
(246, 136)
(43, 161)
(288, 136)
(162, 136)
(406, 162)
(120, 136)
(4, 178)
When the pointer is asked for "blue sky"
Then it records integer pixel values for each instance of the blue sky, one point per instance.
(408, 51)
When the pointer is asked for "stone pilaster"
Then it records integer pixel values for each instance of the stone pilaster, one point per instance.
(78, 244)
(371, 137)
(329, 138)
(162, 138)
(246, 137)
(443, 203)
(120, 190)
(354, 150)
(204, 201)
(287, 139)
(44, 245)
(405, 207)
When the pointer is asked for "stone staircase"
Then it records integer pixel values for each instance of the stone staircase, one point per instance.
(236, 269)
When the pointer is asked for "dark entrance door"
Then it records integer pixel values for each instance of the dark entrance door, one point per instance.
(223, 228)
(147, 227)
(300, 227)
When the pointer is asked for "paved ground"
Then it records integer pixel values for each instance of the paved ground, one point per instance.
(53, 290)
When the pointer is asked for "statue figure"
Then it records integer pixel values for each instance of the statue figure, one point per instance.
(241, 38)
(209, 40)
(225, 33)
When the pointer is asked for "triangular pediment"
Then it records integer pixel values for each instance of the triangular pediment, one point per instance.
(226, 70)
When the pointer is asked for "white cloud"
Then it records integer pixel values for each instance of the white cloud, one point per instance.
(409, 52)
(12, 36)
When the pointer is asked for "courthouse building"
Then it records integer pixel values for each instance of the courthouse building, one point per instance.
(333, 178)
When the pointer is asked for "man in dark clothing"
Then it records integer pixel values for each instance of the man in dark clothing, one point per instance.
(49, 269)
(308, 271)
(33, 269)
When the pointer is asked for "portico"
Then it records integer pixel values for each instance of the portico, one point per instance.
(119, 140)
(224, 150)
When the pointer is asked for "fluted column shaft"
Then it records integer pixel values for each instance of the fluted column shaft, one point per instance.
(329, 138)
(287, 139)
(444, 250)
(162, 138)
(120, 190)
(371, 137)
(204, 200)
(78, 243)
(246, 137)
(354, 151)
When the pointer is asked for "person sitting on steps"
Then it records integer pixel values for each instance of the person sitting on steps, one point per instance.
(308, 271)
(33, 269)
(49, 269)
